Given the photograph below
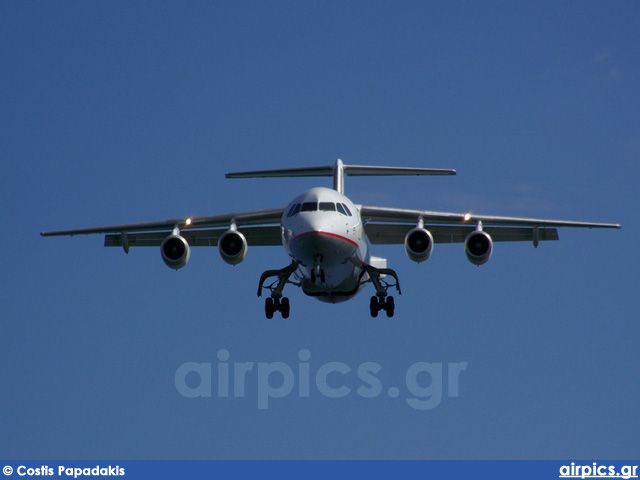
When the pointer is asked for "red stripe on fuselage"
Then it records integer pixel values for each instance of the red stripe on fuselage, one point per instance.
(329, 234)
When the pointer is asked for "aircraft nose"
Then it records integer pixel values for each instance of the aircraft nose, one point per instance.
(310, 222)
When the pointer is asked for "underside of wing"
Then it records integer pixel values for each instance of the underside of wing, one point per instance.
(418, 230)
(256, 236)
(394, 234)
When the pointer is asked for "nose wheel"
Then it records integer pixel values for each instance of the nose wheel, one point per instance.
(317, 273)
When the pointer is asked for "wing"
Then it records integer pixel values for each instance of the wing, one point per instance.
(385, 225)
(197, 231)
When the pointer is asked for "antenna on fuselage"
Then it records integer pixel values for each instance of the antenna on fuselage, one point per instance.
(338, 170)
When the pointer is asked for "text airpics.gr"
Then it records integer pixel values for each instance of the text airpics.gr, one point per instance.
(423, 381)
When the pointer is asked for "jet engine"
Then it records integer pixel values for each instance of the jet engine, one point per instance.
(232, 246)
(478, 246)
(175, 251)
(418, 243)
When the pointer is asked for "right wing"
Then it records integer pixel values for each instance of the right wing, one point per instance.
(266, 235)
(196, 230)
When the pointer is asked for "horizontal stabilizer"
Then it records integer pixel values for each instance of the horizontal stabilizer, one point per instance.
(323, 171)
(338, 171)
(364, 171)
(350, 170)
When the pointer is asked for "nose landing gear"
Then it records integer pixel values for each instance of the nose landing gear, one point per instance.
(317, 272)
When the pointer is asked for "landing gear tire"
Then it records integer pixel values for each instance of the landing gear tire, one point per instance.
(386, 303)
(317, 273)
(272, 305)
(269, 307)
(285, 307)
(373, 306)
(390, 307)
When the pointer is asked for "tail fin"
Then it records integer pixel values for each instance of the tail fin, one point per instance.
(338, 170)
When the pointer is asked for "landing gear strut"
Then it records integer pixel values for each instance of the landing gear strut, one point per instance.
(276, 302)
(317, 272)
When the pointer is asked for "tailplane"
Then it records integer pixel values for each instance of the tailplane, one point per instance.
(338, 170)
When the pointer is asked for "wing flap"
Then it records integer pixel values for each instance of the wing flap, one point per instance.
(256, 236)
(394, 234)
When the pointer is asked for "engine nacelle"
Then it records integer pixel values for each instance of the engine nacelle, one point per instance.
(478, 247)
(232, 246)
(418, 243)
(175, 251)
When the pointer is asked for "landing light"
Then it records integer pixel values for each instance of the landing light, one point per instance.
(467, 217)
(188, 222)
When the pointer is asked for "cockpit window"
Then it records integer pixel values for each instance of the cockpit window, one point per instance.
(327, 206)
(293, 210)
(322, 206)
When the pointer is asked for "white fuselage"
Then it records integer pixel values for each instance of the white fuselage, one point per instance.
(323, 233)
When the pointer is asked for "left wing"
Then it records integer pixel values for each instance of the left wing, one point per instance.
(394, 234)
(381, 225)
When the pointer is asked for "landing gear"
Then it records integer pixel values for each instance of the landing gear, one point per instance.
(276, 302)
(317, 273)
(374, 306)
(390, 306)
(272, 305)
(382, 301)
(269, 307)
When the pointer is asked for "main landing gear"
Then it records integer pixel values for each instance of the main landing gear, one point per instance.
(276, 302)
(382, 301)
(272, 305)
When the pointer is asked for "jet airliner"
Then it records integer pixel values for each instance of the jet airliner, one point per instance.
(328, 238)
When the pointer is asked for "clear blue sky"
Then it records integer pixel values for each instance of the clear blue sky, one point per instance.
(123, 112)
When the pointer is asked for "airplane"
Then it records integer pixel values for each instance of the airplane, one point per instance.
(328, 238)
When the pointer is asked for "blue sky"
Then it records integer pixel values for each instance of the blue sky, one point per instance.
(116, 112)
